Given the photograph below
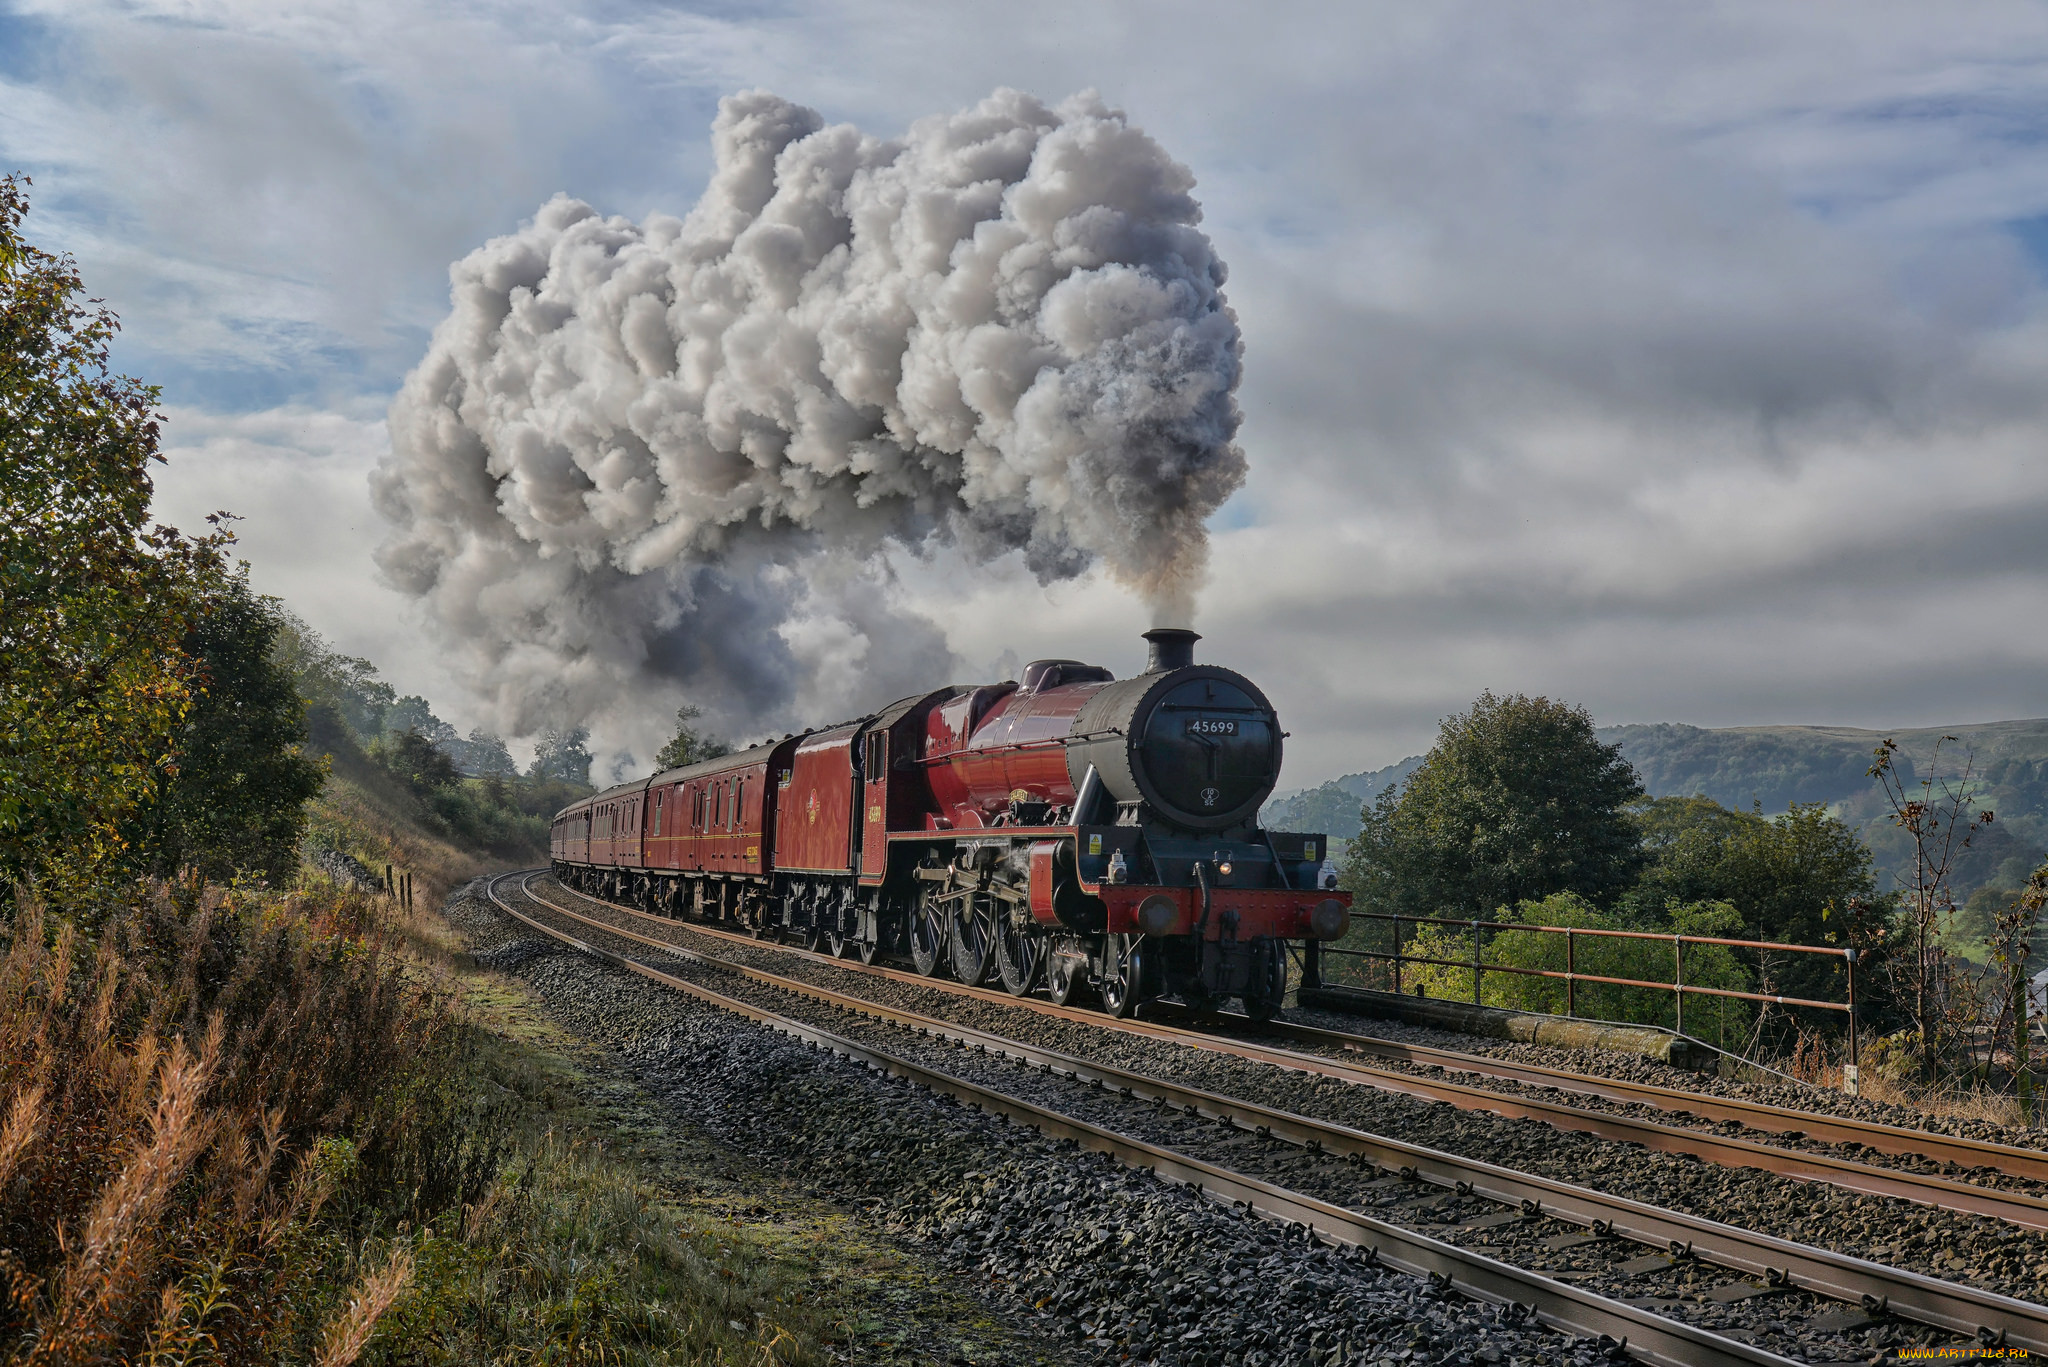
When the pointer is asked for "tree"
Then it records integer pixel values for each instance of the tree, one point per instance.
(416, 761)
(485, 756)
(413, 713)
(1518, 800)
(688, 745)
(1793, 877)
(94, 599)
(340, 690)
(234, 797)
(562, 754)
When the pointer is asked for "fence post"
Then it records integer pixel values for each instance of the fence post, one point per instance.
(1475, 961)
(1571, 976)
(1400, 959)
(1678, 978)
(1852, 1078)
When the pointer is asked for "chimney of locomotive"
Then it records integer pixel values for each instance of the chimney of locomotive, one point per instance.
(1172, 648)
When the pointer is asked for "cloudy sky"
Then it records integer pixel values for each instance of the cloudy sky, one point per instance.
(1685, 361)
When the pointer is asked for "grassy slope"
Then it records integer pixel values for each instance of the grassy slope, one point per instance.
(366, 813)
(765, 1273)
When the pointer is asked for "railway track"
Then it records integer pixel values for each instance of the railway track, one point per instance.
(1779, 1265)
(2017, 1208)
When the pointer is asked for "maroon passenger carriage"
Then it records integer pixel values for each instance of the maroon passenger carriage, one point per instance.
(1072, 829)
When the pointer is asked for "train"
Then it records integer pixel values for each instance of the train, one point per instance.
(1068, 832)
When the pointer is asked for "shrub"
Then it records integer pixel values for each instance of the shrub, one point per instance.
(1713, 1018)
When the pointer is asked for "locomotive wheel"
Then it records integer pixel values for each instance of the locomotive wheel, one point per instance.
(974, 938)
(928, 938)
(837, 943)
(868, 950)
(1122, 971)
(1063, 978)
(1020, 955)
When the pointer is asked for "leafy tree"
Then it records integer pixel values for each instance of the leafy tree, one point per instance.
(412, 713)
(1517, 800)
(1793, 877)
(484, 755)
(563, 755)
(234, 798)
(688, 745)
(345, 687)
(94, 599)
(416, 761)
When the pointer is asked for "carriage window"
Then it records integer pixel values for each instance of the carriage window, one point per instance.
(657, 813)
(739, 806)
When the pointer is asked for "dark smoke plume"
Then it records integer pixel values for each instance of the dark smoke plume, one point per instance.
(665, 458)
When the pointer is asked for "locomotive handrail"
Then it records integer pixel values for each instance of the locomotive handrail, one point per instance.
(1046, 744)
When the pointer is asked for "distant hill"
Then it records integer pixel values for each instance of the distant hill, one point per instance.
(1772, 766)
(1334, 807)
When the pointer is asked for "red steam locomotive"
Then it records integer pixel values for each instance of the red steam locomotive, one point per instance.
(1069, 830)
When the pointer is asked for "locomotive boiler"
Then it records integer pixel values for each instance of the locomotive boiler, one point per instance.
(1067, 832)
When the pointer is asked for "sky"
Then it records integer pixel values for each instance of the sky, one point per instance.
(1681, 361)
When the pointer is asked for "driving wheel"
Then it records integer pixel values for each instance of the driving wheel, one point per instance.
(927, 938)
(974, 937)
(1020, 955)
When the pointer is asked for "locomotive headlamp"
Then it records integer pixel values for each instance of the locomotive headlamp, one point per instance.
(1330, 919)
(1224, 868)
(1157, 914)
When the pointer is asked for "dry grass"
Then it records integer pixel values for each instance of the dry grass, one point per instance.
(1819, 1065)
(167, 1092)
(252, 1128)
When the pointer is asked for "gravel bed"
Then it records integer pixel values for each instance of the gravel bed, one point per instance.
(1639, 1068)
(1980, 1251)
(1125, 1267)
(1020, 1022)
(1783, 1323)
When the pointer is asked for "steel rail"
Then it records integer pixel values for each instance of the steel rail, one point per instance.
(2017, 1208)
(1986, 1315)
(1894, 1139)
(1557, 1305)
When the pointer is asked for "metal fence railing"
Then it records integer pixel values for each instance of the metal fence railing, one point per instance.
(1572, 977)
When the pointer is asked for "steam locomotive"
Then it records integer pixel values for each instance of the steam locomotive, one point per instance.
(1067, 831)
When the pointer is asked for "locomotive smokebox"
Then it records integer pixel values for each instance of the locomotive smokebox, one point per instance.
(1172, 648)
(1191, 746)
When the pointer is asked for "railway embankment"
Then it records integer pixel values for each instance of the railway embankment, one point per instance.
(1108, 1263)
(1969, 1274)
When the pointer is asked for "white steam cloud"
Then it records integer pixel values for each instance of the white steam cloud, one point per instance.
(644, 461)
